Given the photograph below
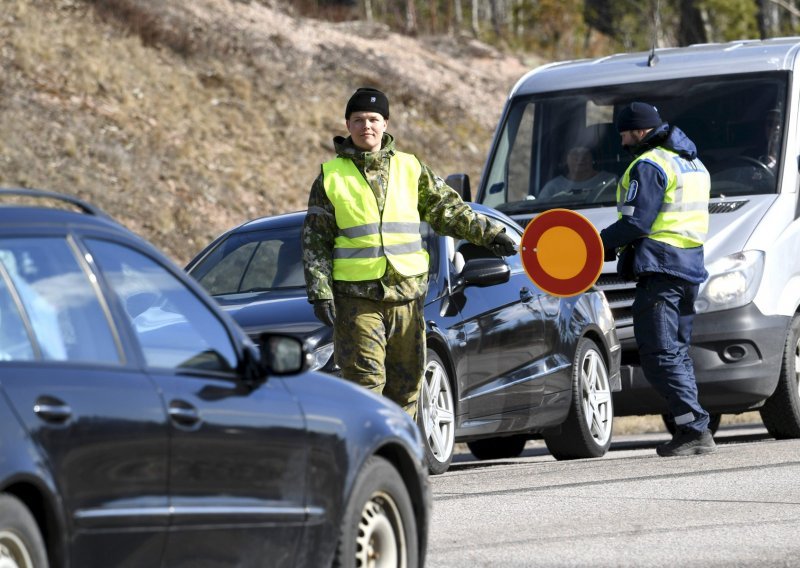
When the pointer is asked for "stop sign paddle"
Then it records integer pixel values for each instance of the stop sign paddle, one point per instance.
(562, 252)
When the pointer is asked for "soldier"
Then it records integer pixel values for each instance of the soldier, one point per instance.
(365, 267)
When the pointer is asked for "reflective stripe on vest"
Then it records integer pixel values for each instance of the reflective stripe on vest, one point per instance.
(682, 220)
(367, 238)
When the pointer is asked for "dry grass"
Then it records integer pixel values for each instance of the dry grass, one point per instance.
(182, 119)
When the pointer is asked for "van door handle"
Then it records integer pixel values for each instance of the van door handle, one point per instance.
(183, 413)
(51, 409)
(525, 294)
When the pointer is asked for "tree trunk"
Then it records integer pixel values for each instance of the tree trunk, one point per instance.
(411, 18)
(368, 10)
(458, 16)
(691, 28)
(475, 24)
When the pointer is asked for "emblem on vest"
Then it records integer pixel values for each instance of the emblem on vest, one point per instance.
(632, 189)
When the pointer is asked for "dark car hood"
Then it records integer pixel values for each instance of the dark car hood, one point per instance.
(281, 311)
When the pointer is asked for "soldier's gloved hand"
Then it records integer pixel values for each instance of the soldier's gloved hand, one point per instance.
(609, 254)
(503, 245)
(325, 311)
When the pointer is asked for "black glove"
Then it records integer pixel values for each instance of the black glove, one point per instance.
(503, 245)
(609, 254)
(325, 311)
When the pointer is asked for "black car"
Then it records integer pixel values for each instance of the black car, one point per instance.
(140, 426)
(506, 362)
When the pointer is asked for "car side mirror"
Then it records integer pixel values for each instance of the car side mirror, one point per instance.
(460, 182)
(483, 272)
(282, 354)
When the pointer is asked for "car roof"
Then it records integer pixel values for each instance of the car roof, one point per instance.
(273, 222)
(700, 60)
(38, 207)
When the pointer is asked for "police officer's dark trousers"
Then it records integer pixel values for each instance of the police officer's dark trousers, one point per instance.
(663, 313)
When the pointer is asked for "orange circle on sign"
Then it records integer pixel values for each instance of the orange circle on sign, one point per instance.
(562, 252)
(549, 248)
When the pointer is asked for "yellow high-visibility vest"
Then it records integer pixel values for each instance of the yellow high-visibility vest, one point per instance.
(367, 239)
(683, 219)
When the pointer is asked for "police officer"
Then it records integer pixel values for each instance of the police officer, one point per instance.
(662, 205)
(365, 266)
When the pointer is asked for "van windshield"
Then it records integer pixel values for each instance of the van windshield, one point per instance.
(560, 149)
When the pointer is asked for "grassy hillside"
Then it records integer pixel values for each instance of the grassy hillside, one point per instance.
(183, 118)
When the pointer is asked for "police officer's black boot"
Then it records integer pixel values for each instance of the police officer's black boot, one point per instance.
(687, 442)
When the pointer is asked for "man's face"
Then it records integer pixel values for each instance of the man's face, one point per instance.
(632, 137)
(366, 129)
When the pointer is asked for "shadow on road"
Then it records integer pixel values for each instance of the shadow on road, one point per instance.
(733, 434)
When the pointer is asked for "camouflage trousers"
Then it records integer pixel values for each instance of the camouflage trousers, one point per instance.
(381, 346)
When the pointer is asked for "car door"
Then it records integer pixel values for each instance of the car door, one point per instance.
(503, 331)
(97, 422)
(237, 472)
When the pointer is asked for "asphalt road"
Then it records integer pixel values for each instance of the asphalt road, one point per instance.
(737, 507)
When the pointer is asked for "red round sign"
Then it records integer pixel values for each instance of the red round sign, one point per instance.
(562, 252)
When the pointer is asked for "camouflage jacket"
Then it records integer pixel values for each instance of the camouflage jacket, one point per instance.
(439, 205)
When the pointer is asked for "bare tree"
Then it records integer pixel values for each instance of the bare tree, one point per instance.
(411, 17)
(458, 15)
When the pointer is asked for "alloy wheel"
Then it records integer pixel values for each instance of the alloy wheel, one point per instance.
(596, 397)
(437, 411)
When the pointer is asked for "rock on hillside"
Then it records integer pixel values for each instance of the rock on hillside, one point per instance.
(184, 118)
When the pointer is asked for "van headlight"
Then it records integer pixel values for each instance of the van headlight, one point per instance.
(320, 356)
(732, 281)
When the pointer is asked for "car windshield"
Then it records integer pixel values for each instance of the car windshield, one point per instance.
(261, 261)
(253, 261)
(560, 149)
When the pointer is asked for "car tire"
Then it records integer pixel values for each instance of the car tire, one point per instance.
(713, 423)
(21, 543)
(497, 448)
(378, 528)
(781, 411)
(586, 433)
(436, 414)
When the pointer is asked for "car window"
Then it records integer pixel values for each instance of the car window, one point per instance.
(253, 261)
(15, 344)
(174, 327)
(60, 302)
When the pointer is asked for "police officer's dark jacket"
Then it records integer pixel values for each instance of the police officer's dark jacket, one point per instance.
(646, 184)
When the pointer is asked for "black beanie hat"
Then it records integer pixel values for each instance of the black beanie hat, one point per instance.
(369, 100)
(638, 116)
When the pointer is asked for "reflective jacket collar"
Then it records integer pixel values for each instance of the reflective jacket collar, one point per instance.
(346, 149)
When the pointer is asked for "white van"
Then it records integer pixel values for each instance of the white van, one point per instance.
(740, 103)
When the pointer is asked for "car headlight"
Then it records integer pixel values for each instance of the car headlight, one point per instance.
(732, 282)
(320, 356)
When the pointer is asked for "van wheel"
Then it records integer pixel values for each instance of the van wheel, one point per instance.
(586, 433)
(436, 415)
(497, 448)
(378, 528)
(781, 412)
(21, 544)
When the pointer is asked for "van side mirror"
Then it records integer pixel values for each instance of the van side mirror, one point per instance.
(460, 182)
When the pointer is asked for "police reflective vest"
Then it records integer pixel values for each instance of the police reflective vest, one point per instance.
(367, 238)
(683, 219)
